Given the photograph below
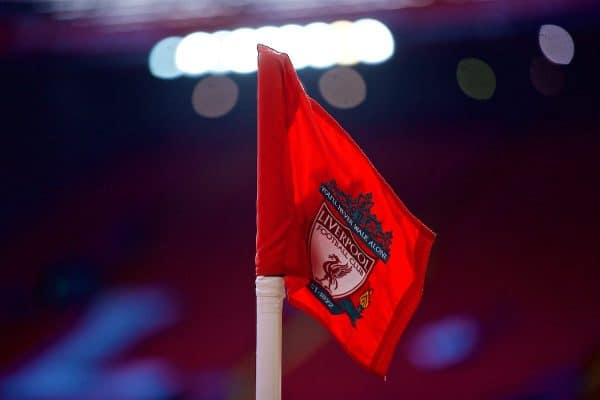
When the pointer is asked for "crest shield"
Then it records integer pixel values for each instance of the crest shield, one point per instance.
(339, 264)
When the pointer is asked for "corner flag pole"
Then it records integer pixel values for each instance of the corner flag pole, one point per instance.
(269, 302)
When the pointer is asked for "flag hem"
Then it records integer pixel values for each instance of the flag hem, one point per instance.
(405, 309)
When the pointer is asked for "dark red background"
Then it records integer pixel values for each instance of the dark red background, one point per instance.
(110, 177)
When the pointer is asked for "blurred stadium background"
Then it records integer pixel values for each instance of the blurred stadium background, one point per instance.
(127, 218)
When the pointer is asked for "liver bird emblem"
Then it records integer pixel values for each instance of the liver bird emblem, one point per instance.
(334, 270)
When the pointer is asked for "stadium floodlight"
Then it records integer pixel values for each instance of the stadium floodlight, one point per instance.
(317, 45)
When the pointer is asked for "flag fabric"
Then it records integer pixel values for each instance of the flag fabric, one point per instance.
(352, 255)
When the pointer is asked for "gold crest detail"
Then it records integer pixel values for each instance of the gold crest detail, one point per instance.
(365, 298)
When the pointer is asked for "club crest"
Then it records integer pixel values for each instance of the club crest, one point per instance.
(339, 264)
(345, 241)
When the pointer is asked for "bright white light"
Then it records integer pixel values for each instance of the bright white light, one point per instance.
(239, 50)
(270, 36)
(345, 52)
(323, 47)
(221, 62)
(556, 44)
(373, 40)
(318, 45)
(197, 53)
(295, 44)
(161, 60)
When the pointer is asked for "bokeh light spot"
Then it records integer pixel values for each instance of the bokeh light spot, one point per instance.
(292, 40)
(161, 60)
(342, 32)
(343, 87)
(239, 50)
(220, 64)
(546, 77)
(476, 78)
(372, 40)
(320, 36)
(443, 343)
(317, 44)
(197, 53)
(215, 96)
(556, 44)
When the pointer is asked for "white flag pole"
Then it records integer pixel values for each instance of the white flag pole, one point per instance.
(269, 302)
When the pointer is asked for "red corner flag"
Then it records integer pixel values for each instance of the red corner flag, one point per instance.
(352, 254)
